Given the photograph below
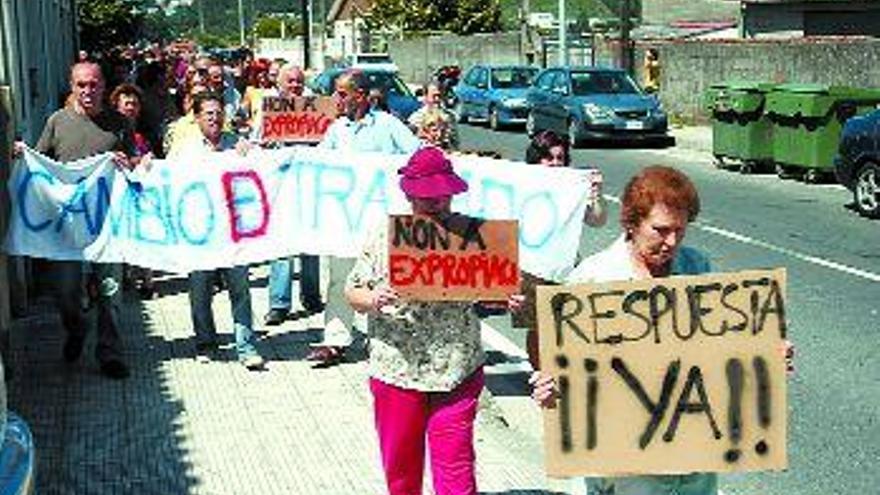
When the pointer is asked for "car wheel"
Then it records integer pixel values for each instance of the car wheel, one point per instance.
(494, 124)
(573, 140)
(530, 125)
(867, 190)
(459, 111)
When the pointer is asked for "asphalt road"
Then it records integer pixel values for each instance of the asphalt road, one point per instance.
(833, 260)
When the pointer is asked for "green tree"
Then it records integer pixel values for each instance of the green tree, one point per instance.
(476, 16)
(106, 23)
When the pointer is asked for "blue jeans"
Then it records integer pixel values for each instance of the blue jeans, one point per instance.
(68, 284)
(281, 283)
(201, 285)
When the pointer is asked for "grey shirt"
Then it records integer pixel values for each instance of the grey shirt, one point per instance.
(70, 136)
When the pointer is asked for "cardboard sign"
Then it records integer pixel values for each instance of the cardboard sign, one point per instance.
(458, 258)
(673, 375)
(301, 120)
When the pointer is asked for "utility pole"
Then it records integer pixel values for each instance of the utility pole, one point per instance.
(202, 16)
(563, 35)
(241, 22)
(307, 32)
(626, 55)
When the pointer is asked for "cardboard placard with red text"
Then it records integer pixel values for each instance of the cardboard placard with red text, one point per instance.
(666, 376)
(458, 258)
(297, 120)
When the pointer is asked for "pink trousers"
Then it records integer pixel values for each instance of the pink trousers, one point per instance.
(404, 418)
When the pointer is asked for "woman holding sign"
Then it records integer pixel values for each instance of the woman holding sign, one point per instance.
(426, 358)
(656, 208)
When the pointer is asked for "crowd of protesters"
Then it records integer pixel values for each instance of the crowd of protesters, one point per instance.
(426, 359)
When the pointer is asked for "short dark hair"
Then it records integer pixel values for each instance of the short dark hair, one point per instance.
(200, 98)
(541, 145)
(126, 89)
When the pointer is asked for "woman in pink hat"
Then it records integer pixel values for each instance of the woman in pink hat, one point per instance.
(426, 359)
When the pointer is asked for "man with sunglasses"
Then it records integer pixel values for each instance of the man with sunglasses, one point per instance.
(84, 128)
(365, 129)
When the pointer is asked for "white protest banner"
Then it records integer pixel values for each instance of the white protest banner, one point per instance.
(662, 376)
(222, 209)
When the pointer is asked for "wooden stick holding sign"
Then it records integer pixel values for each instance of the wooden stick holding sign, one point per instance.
(301, 120)
(457, 258)
(673, 375)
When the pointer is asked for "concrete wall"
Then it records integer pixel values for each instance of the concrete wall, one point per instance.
(417, 58)
(689, 67)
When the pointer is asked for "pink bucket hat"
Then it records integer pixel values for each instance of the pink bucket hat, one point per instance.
(429, 174)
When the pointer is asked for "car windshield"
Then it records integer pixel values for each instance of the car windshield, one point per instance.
(512, 77)
(374, 59)
(590, 83)
(389, 83)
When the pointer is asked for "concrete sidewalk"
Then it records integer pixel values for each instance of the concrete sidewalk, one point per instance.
(178, 426)
(695, 138)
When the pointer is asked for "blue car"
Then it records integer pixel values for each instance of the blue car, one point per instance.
(857, 164)
(17, 454)
(593, 103)
(494, 94)
(400, 99)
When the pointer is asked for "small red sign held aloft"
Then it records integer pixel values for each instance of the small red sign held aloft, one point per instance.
(300, 120)
(453, 258)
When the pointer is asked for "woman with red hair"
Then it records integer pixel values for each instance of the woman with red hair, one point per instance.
(657, 206)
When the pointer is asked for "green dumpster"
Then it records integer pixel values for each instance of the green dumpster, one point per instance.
(741, 130)
(717, 104)
(807, 120)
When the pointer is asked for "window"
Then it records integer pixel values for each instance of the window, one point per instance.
(513, 77)
(560, 83)
(545, 80)
(588, 83)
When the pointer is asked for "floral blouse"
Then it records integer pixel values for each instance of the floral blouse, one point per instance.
(425, 346)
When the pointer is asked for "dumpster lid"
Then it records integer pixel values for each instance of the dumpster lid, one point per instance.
(805, 88)
(751, 86)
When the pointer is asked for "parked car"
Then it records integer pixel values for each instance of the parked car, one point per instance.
(17, 454)
(593, 103)
(857, 164)
(496, 94)
(401, 101)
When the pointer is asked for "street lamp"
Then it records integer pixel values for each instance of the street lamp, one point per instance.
(563, 35)
(241, 22)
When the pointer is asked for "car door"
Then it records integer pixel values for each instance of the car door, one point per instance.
(539, 98)
(557, 109)
(464, 90)
(481, 94)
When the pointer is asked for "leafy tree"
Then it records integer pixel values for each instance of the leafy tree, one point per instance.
(476, 16)
(106, 23)
(459, 16)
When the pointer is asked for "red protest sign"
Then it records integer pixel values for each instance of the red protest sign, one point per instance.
(456, 258)
(302, 120)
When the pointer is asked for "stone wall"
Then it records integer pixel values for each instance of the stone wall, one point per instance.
(418, 58)
(690, 67)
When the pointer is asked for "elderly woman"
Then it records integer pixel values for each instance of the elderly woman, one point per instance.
(426, 359)
(435, 129)
(656, 208)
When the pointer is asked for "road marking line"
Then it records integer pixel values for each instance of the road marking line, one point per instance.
(807, 258)
(496, 340)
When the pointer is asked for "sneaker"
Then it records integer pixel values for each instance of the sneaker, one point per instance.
(275, 317)
(253, 362)
(114, 369)
(73, 347)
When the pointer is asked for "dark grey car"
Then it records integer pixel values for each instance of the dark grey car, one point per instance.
(593, 103)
